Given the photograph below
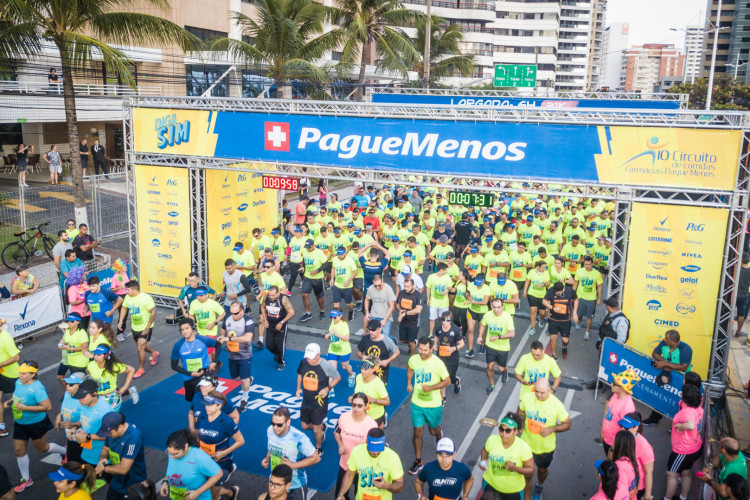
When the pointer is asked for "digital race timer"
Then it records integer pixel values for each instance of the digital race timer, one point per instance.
(470, 199)
(283, 183)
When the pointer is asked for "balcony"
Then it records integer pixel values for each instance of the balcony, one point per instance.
(454, 5)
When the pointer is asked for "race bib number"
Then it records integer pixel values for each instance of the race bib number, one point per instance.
(137, 320)
(493, 275)
(336, 348)
(233, 346)
(95, 308)
(177, 492)
(310, 384)
(561, 308)
(407, 304)
(517, 274)
(210, 449)
(423, 396)
(296, 257)
(497, 468)
(534, 427)
(194, 364)
(367, 496)
(114, 458)
(17, 414)
(444, 351)
(572, 267)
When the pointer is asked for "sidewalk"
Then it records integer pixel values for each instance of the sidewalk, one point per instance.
(738, 373)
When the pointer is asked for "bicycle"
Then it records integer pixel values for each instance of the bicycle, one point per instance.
(20, 252)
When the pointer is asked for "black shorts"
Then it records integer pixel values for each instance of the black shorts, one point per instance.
(678, 463)
(315, 286)
(499, 357)
(357, 283)
(327, 267)
(742, 302)
(408, 333)
(342, 293)
(240, 368)
(476, 316)
(146, 335)
(504, 496)
(380, 420)
(315, 415)
(35, 431)
(190, 386)
(543, 460)
(7, 385)
(536, 302)
(559, 327)
(62, 369)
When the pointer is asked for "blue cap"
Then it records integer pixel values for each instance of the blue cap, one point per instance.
(341, 251)
(73, 379)
(395, 239)
(478, 281)
(565, 203)
(441, 223)
(511, 225)
(408, 253)
(530, 218)
(537, 212)
(346, 205)
(475, 249)
(488, 238)
(486, 219)
(357, 230)
(336, 229)
(63, 474)
(335, 314)
(350, 224)
(73, 317)
(297, 229)
(238, 248)
(375, 444)
(598, 465)
(274, 231)
(501, 280)
(101, 349)
(201, 291)
(210, 400)
(592, 227)
(628, 422)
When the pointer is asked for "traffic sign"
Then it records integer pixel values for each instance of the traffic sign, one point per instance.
(515, 75)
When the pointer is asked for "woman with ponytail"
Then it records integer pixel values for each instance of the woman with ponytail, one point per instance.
(104, 369)
(71, 479)
(623, 454)
(609, 476)
(100, 333)
(189, 468)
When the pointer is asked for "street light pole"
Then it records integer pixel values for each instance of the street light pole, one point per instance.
(710, 91)
(427, 42)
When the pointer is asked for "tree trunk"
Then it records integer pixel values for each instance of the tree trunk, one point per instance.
(362, 66)
(71, 119)
(285, 89)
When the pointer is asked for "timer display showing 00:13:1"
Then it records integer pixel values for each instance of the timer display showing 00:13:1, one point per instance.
(284, 183)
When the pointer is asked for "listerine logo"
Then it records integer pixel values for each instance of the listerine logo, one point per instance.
(170, 132)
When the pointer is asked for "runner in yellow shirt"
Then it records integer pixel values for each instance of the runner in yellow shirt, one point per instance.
(588, 288)
(535, 365)
(506, 460)
(340, 349)
(535, 288)
(505, 289)
(495, 331)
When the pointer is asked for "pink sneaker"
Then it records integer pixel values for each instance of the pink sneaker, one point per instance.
(155, 358)
(25, 483)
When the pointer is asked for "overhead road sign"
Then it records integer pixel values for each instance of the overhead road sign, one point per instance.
(515, 75)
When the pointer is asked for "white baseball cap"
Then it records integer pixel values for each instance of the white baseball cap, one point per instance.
(446, 445)
(311, 351)
(406, 270)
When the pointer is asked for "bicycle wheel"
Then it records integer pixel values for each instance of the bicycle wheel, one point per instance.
(49, 244)
(14, 254)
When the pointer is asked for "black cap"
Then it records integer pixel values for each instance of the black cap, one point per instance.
(309, 243)
(498, 245)
(611, 302)
(373, 324)
(85, 388)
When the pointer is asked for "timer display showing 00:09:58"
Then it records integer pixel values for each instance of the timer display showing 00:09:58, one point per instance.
(285, 183)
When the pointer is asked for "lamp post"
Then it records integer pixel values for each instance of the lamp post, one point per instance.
(427, 42)
(736, 65)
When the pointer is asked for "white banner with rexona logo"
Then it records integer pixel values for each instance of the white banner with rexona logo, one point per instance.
(33, 312)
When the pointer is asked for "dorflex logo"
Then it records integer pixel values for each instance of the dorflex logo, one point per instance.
(170, 132)
(653, 305)
(695, 227)
(684, 309)
(276, 136)
(656, 277)
(242, 207)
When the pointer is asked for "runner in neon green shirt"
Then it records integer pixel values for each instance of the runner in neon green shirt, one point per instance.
(244, 259)
(344, 271)
(534, 290)
(478, 296)
(520, 263)
(141, 308)
(438, 286)
(506, 459)
(495, 332)
(207, 314)
(496, 262)
(505, 289)
(340, 349)
(588, 289)
(377, 467)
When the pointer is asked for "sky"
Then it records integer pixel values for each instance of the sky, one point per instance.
(650, 20)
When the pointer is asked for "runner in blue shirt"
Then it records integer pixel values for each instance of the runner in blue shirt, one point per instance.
(445, 478)
(123, 455)
(375, 265)
(287, 442)
(189, 469)
(102, 303)
(93, 409)
(192, 351)
(70, 415)
(215, 432)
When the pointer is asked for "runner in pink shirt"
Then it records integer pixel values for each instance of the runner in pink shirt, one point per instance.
(644, 454)
(77, 288)
(117, 286)
(687, 444)
(351, 430)
(619, 405)
(623, 453)
(608, 477)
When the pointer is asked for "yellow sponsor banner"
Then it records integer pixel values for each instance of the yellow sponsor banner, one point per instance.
(672, 276)
(236, 204)
(175, 131)
(163, 212)
(674, 157)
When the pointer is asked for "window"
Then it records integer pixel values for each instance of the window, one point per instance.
(336, 56)
(9, 71)
(253, 84)
(206, 35)
(12, 133)
(248, 39)
(199, 77)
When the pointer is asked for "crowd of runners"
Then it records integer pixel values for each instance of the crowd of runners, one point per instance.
(444, 280)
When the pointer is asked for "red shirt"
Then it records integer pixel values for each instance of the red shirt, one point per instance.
(372, 220)
(299, 213)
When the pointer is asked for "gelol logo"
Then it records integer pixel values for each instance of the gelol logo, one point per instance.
(691, 268)
(173, 213)
(226, 225)
(684, 309)
(227, 240)
(654, 149)
(653, 305)
(242, 207)
(695, 227)
(276, 136)
(170, 132)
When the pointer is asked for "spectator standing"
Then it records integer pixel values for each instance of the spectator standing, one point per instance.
(53, 79)
(84, 245)
(97, 152)
(69, 263)
(52, 157)
(687, 443)
(22, 155)
(615, 324)
(58, 251)
(83, 150)
(72, 230)
(300, 210)
(619, 405)
(322, 192)
(644, 454)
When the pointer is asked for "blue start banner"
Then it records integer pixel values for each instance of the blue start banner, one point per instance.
(526, 102)
(617, 358)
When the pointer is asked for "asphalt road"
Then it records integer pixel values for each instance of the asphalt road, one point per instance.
(572, 475)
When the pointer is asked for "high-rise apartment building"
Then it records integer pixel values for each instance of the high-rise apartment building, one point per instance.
(596, 43)
(646, 64)
(614, 44)
(724, 19)
(576, 17)
(693, 52)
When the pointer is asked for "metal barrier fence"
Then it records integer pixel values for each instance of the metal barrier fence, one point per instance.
(25, 209)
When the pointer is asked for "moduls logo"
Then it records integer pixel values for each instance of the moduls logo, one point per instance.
(170, 132)
(685, 309)
(655, 289)
(653, 305)
(276, 136)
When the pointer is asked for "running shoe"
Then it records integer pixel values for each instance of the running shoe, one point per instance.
(444, 401)
(288, 293)
(235, 492)
(322, 315)
(385, 423)
(554, 357)
(416, 467)
(3, 431)
(259, 345)
(482, 349)
(489, 389)
(565, 352)
(532, 331)
(243, 406)
(504, 376)
(331, 394)
(542, 322)
(139, 373)
(234, 468)
(358, 304)
(134, 396)
(351, 315)
(120, 337)
(651, 420)
(281, 366)
(586, 336)
(457, 386)
(352, 380)
(578, 326)
(23, 484)
(127, 333)
(470, 354)
(537, 493)
(320, 451)
(155, 358)
(305, 317)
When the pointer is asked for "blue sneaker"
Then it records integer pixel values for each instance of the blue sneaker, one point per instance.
(536, 494)
(351, 381)
(482, 349)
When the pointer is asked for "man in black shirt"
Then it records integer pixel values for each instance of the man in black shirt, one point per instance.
(84, 245)
(84, 151)
(463, 233)
(442, 229)
(409, 305)
(448, 341)
(562, 304)
(378, 345)
(315, 381)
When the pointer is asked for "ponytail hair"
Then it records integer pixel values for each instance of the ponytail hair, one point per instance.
(609, 478)
(87, 471)
(107, 331)
(179, 439)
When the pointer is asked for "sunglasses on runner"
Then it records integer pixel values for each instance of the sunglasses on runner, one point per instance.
(276, 424)
(506, 430)
(358, 405)
(446, 320)
(267, 267)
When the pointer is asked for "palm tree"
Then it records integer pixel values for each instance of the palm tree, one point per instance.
(81, 29)
(287, 39)
(445, 51)
(377, 22)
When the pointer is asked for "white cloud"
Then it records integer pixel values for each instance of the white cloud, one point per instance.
(650, 20)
